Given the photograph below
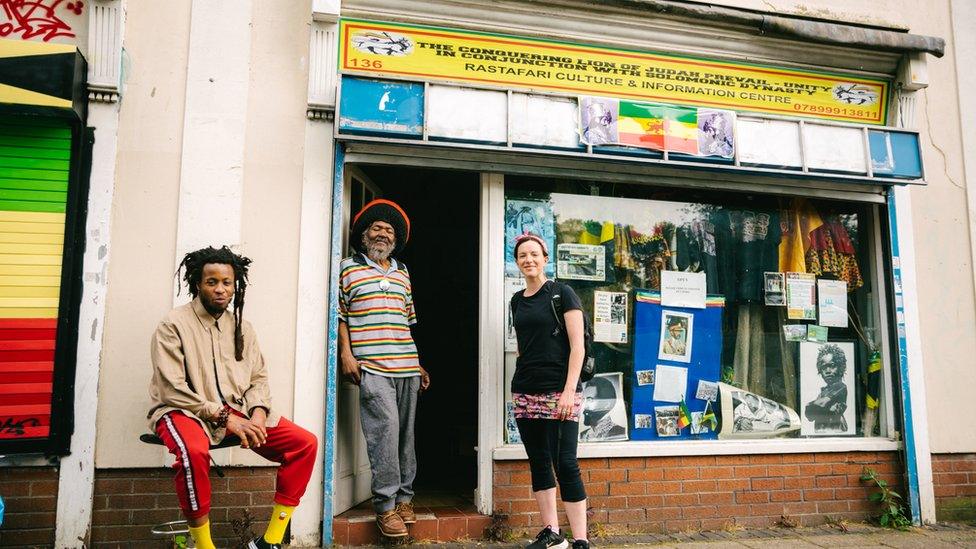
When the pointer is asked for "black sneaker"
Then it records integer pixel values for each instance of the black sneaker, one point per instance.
(259, 543)
(547, 538)
(581, 544)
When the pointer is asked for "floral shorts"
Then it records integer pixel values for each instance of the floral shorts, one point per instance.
(543, 406)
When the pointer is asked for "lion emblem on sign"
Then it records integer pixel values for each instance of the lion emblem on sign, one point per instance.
(382, 43)
(854, 94)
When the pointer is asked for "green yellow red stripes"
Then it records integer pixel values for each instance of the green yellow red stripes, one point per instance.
(377, 307)
(645, 296)
(35, 162)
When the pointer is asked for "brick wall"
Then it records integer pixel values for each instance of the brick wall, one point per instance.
(672, 494)
(954, 477)
(128, 502)
(30, 496)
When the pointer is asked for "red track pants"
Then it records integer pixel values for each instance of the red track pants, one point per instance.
(288, 444)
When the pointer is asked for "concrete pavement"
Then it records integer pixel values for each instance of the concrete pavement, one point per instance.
(846, 535)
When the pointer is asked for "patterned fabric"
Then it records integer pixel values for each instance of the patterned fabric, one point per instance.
(377, 305)
(832, 251)
(543, 406)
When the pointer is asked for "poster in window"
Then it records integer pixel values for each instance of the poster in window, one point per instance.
(801, 303)
(512, 285)
(604, 415)
(676, 336)
(528, 216)
(748, 415)
(827, 388)
(610, 317)
(581, 262)
(832, 303)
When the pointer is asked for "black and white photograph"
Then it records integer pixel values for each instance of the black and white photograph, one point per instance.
(774, 289)
(676, 331)
(707, 390)
(581, 262)
(748, 415)
(604, 417)
(827, 388)
(666, 420)
(645, 377)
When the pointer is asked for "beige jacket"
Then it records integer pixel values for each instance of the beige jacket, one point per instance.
(193, 365)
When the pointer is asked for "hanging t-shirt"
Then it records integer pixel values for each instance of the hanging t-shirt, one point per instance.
(543, 347)
(749, 244)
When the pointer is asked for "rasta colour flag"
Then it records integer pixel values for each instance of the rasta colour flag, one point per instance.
(686, 130)
(684, 416)
(674, 129)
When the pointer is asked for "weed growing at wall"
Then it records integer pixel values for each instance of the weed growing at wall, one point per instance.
(890, 503)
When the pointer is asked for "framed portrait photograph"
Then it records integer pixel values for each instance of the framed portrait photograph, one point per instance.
(604, 415)
(827, 388)
(676, 336)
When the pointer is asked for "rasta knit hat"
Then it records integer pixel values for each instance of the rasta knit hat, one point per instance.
(381, 210)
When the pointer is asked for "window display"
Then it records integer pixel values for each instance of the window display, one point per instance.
(716, 315)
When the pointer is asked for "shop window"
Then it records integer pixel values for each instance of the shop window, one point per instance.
(784, 339)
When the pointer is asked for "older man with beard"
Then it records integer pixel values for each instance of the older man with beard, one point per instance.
(377, 352)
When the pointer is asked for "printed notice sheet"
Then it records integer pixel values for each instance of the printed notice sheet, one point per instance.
(610, 317)
(832, 303)
(682, 289)
(670, 383)
(800, 299)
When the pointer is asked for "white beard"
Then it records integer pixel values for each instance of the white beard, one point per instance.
(376, 251)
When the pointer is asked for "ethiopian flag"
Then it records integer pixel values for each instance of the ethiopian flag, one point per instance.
(684, 416)
(658, 127)
(681, 130)
(641, 125)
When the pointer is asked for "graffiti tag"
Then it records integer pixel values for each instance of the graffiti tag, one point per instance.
(11, 427)
(35, 18)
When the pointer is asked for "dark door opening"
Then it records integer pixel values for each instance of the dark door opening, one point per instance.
(442, 258)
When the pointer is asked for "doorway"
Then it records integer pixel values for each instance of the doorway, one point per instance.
(442, 257)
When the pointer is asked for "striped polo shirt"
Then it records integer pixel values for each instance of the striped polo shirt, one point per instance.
(377, 306)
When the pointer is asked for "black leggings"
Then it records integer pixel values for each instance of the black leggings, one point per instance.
(551, 443)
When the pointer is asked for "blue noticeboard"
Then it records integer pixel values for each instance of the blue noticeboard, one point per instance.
(704, 360)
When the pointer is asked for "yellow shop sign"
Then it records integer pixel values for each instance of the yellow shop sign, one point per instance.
(439, 54)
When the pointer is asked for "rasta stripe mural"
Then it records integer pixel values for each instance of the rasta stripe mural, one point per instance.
(35, 158)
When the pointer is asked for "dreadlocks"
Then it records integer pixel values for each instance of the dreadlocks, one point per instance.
(192, 266)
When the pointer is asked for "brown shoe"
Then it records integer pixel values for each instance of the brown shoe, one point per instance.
(405, 510)
(391, 525)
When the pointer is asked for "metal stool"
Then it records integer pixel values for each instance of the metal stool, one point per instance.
(180, 527)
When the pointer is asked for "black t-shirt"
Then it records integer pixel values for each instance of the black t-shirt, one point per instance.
(543, 360)
(749, 247)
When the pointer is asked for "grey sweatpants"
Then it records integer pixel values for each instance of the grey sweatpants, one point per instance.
(387, 408)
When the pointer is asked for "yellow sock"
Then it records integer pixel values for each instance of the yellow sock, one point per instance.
(280, 516)
(201, 535)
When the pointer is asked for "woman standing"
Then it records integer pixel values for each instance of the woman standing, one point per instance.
(547, 393)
